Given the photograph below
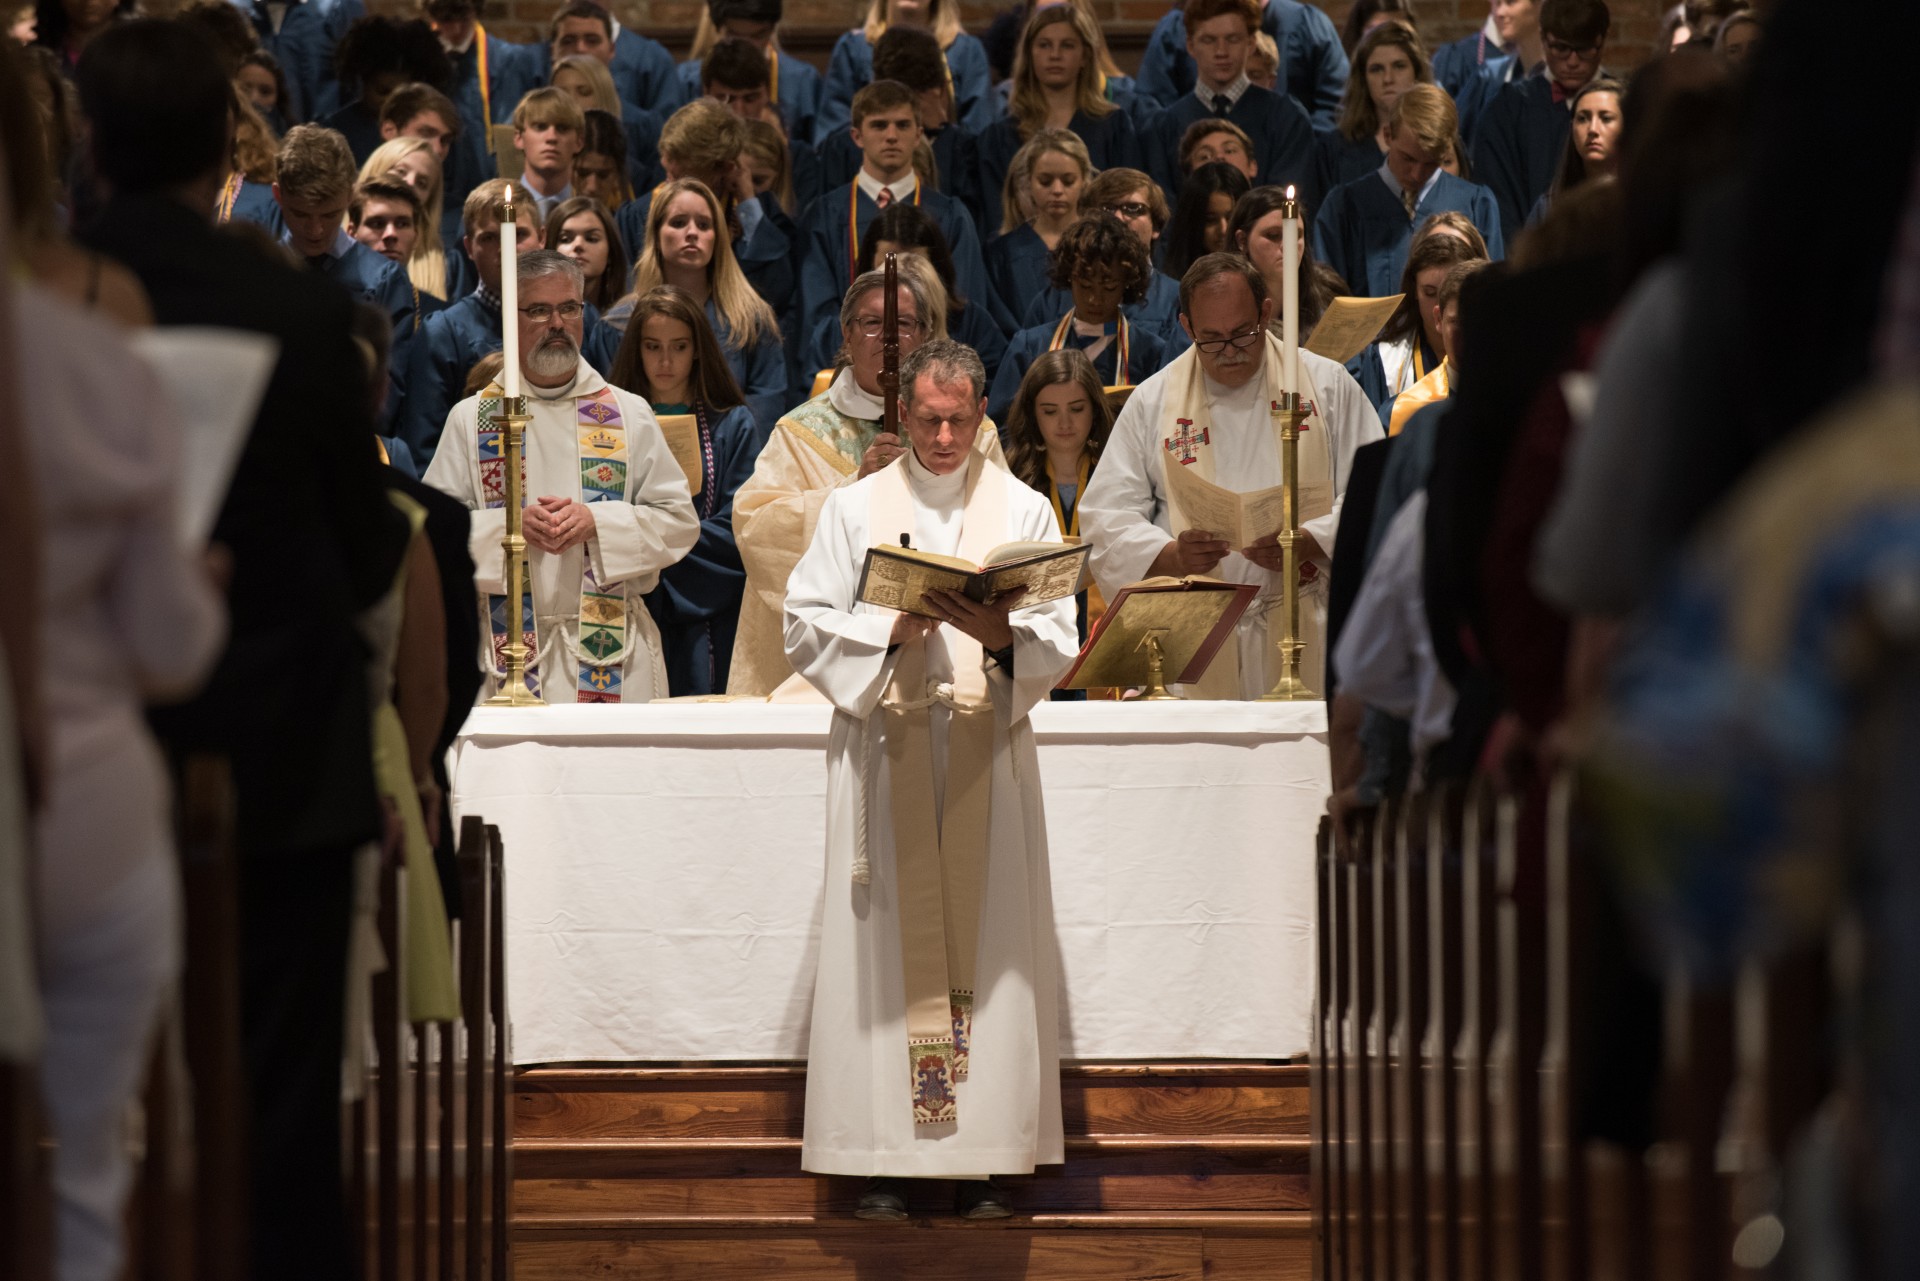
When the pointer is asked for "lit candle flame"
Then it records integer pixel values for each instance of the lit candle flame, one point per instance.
(1289, 191)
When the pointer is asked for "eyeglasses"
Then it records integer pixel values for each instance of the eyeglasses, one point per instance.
(1129, 209)
(868, 327)
(1239, 342)
(540, 313)
(1561, 49)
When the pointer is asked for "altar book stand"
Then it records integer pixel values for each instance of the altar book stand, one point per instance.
(1158, 630)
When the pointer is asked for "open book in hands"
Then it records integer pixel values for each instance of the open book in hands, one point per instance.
(1242, 519)
(900, 577)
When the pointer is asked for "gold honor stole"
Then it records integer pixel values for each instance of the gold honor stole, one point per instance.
(1120, 348)
(940, 869)
(603, 609)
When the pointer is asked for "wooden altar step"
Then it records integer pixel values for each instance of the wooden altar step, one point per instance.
(1172, 1172)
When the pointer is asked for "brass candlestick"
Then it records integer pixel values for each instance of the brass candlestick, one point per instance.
(1290, 688)
(512, 419)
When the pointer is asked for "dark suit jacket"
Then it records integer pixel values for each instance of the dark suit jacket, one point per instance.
(313, 537)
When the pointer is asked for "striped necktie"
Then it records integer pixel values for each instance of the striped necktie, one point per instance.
(883, 197)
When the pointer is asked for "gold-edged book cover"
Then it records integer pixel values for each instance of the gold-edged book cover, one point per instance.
(900, 577)
(683, 442)
(1193, 617)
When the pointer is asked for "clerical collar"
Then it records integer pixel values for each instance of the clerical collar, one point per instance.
(1394, 187)
(556, 393)
(931, 488)
(487, 298)
(896, 191)
(853, 400)
(1238, 86)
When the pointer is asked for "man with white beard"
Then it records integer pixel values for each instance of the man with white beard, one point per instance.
(1211, 410)
(606, 508)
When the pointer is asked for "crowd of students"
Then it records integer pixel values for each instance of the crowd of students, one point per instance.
(727, 214)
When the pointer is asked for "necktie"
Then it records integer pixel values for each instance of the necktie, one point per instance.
(1408, 199)
(1222, 104)
(884, 198)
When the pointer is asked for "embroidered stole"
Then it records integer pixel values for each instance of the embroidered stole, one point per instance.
(602, 437)
(940, 867)
(1188, 442)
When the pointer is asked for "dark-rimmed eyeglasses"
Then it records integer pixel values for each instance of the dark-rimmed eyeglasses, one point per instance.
(1239, 342)
(540, 312)
(1129, 209)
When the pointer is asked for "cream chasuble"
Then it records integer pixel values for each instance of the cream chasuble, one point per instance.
(814, 450)
(1181, 417)
(644, 521)
(934, 1048)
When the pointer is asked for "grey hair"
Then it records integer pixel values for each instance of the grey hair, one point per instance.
(538, 264)
(946, 362)
(868, 281)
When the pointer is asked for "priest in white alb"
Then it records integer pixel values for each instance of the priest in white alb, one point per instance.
(1211, 410)
(821, 444)
(606, 508)
(934, 1050)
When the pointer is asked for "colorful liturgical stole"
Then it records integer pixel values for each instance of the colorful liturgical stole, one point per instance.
(940, 867)
(603, 610)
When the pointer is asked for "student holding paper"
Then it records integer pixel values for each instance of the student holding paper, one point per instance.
(936, 1006)
(1208, 414)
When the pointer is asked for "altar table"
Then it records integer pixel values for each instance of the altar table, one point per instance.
(664, 867)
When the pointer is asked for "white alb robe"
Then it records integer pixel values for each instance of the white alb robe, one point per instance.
(633, 540)
(859, 1115)
(1124, 511)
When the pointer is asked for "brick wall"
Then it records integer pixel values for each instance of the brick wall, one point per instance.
(1635, 22)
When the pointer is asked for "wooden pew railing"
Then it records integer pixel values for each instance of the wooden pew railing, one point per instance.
(1455, 949)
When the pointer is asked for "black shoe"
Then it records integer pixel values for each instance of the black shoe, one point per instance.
(981, 1199)
(884, 1201)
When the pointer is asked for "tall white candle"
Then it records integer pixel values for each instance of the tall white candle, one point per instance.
(510, 301)
(1290, 293)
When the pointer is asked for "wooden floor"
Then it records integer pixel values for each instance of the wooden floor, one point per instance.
(1173, 1173)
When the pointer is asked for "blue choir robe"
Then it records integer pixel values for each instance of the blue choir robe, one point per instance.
(1517, 146)
(1159, 311)
(1017, 263)
(371, 277)
(1362, 230)
(359, 124)
(764, 250)
(1338, 159)
(1145, 356)
(1112, 143)
(826, 265)
(255, 204)
(697, 603)
(1459, 61)
(642, 128)
(644, 73)
(851, 66)
(797, 93)
(803, 165)
(304, 45)
(448, 346)
(461, 275)
(1470, 104)
(956, 163)
(1313, 65)
(1282, 141)
(512, 71)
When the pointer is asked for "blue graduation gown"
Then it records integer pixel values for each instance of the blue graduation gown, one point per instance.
(255, 204)
(1313, 65)
(851, 67)
(1459, 61)
(697, 604)
(1337, 159)
(512, 71)
(1517, 147)
(955, 160)
(1145, 356)
(1017, 264)
(304, 45)
(799, 95)
(1111, 142)
(1481, 89)
(1282, 141)
(765, 252)
(761, 371)
(804, 164)
(360, 126)
(1159, 311)
(642, 128)
(644, 73)
(826, 265)
(1363, 232)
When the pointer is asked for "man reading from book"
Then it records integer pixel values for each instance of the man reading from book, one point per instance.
(935, 1013)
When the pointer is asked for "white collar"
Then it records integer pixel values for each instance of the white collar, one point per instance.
(1238, 86)
(936, 491)
(1087, 329)
(1393, 183)
(1491, 34)
(459, 49)
(584, 382)
(852, 400)
(902, 190)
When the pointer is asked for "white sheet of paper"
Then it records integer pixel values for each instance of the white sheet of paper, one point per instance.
(1241, 519)
(215, 379)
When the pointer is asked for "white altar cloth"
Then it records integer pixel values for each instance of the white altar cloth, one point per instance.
(664, 866)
